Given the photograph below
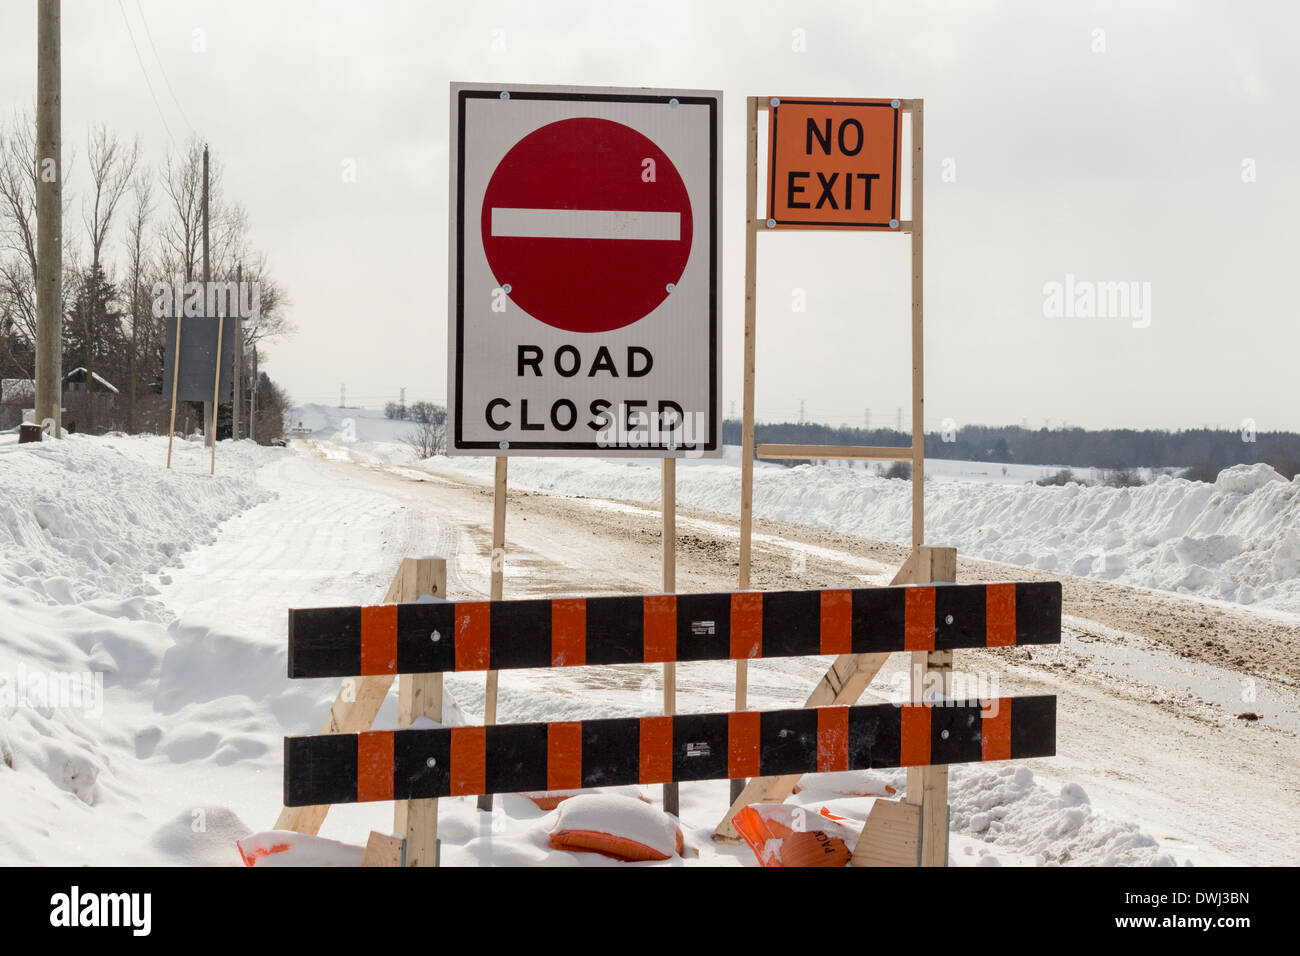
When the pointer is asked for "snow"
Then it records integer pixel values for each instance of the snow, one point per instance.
(143, 693)
(1236, 540)
(1015, 817)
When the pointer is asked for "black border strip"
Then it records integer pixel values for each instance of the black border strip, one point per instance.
(715, 436)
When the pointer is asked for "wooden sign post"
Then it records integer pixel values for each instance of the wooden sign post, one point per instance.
(836, 164)
(176, 377)
(672, 802)
(216, 387)
(497, 586)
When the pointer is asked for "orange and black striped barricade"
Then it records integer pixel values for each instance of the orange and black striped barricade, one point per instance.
(572, 755)
(443, 637)
(742, 625)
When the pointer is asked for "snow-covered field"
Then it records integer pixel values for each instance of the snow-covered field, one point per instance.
(143, 694)
(1236, 540)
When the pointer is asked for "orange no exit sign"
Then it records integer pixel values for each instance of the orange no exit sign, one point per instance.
(833, 164)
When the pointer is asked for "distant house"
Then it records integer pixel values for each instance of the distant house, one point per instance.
(16, 394)
(75, 381)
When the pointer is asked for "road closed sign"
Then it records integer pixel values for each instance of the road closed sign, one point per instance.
(833, 164)
(584, 293)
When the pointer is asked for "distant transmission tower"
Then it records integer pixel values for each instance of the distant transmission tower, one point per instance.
(402, 402)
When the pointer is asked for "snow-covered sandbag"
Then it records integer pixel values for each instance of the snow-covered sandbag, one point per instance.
(286, 848)
(848, 783)
(784, 835)
(621, 827)
(550, 799)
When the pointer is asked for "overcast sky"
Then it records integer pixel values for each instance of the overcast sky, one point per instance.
(1110, 142)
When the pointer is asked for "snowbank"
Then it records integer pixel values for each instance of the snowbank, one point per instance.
(1235, 540)
(82, 520)
(88, 530)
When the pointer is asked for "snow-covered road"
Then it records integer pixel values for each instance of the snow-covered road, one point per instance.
(187, 754)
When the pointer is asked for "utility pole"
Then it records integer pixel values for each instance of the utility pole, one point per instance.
(239, 353)
(402, 403)
(209, 410)
(49, 217)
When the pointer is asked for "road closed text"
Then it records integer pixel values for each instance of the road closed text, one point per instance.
(649, 422)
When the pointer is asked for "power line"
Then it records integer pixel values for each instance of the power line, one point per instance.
(161, 69)
(145, 74)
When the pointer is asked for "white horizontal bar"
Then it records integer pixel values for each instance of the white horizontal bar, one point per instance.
(586, 224)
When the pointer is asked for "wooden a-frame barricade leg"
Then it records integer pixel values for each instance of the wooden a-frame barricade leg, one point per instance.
(354, 711)
(843, 683)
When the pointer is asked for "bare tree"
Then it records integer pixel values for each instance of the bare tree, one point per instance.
(181, 236)
(112, 166)
(182, 233)
(18, 175)
(429, 437)
(273, 320)
(142, 324)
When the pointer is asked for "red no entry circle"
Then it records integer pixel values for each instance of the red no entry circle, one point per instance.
(588, 223)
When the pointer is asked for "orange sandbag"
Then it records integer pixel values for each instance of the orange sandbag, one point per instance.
(550, 800)
(620, 827)
(784, 835)
(254, 852)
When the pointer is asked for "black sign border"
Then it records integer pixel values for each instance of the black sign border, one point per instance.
(714, 442)
(809, 224)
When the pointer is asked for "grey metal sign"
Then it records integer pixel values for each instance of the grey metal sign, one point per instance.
(198, 358)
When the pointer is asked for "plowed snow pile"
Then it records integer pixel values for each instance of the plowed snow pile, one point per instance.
(1235, 540)
(88, 529)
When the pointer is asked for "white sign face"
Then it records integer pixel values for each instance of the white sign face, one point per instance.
(585, 289)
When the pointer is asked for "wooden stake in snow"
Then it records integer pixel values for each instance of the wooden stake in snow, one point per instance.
(419, 695)
(216, 388)
(359, 699)
(176, 375)
(669, 490)
(497, 585)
